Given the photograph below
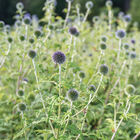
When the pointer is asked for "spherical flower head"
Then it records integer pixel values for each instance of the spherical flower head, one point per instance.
(22, 107)
(18, 23)
(109, 3)
(1, 24)
(104, 69)
(82, 75)
(10, 39)
(20, 93)
(72, 95)
(31, 40)
(32, 54)
(133, 55)
(38, 33)
(103, 46)
(133, 41)
(130, 89)
(127, 53)
(59, 57)
(19, 6)
(92, 88)
(126, 46)
(121, 14)
(69, 0)
(104, 38)
(27, 20)
(73, 31)
(31, 97)
(120, 34)
(127, 18)
(22, 38)
(95, 19)
(7, 28)
(89, 4)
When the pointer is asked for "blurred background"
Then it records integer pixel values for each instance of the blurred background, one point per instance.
(34, 7)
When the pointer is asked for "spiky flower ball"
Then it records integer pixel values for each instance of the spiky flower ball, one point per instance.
(22, 38)
(18, 23)
(31, 97)
(59, 57)
(120, 34)
(7, 28)
(127, 18)
(133, 41)
(126, 46)
(73, 31)
(104, 69)
(95, 19)
(10, 39)
(92, 88)
(32, 54)
(133, 55)
(19, 6)
(27, 20)
(103, 46)
(72, 95)
(31, 40)
(20, 93)
(82, 75)
(130, 89)
(38, 33)
(89, 4)
(104, 38)
(22, 107)
(109, 3)
(1, 24)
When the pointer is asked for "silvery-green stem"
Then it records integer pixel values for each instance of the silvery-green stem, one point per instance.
(110, 18)
(74, 50)
(3, 59)
(95, 94)
(68, 118)
(84, 117)
(42, 101)
(87, 13)
(99, 59)
(125, 113)
(118, 55)
(78, 14)
(68, 13)
(26, 31)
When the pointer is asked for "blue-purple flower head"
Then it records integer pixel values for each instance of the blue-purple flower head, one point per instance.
(133, 41)
(89, 4)
(133, 55)
(104, 69)
(127, 18)
(126, 46)
(120, 34)
(72, 95)
(27, 19)
(73, 31)
(59, 57)
(121, 14)
(92, 88)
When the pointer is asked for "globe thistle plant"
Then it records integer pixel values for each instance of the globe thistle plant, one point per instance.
(10, 39)
(126, 46)
(72, 95)
(20, 6)
(109, 3)
(82, 75)
(133, 55)
(2, 24)
(22, 107)
(73, 31)
(120, 34)
(59, 57)
(103, 38)
(130, 89)
(89, 4)
(20, 93)
(32, 54)
(92, 88)
(127, 18)
(27, 20)
(104, 69)
(103, 46)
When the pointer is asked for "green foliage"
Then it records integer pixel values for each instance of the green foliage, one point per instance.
(86, 93)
